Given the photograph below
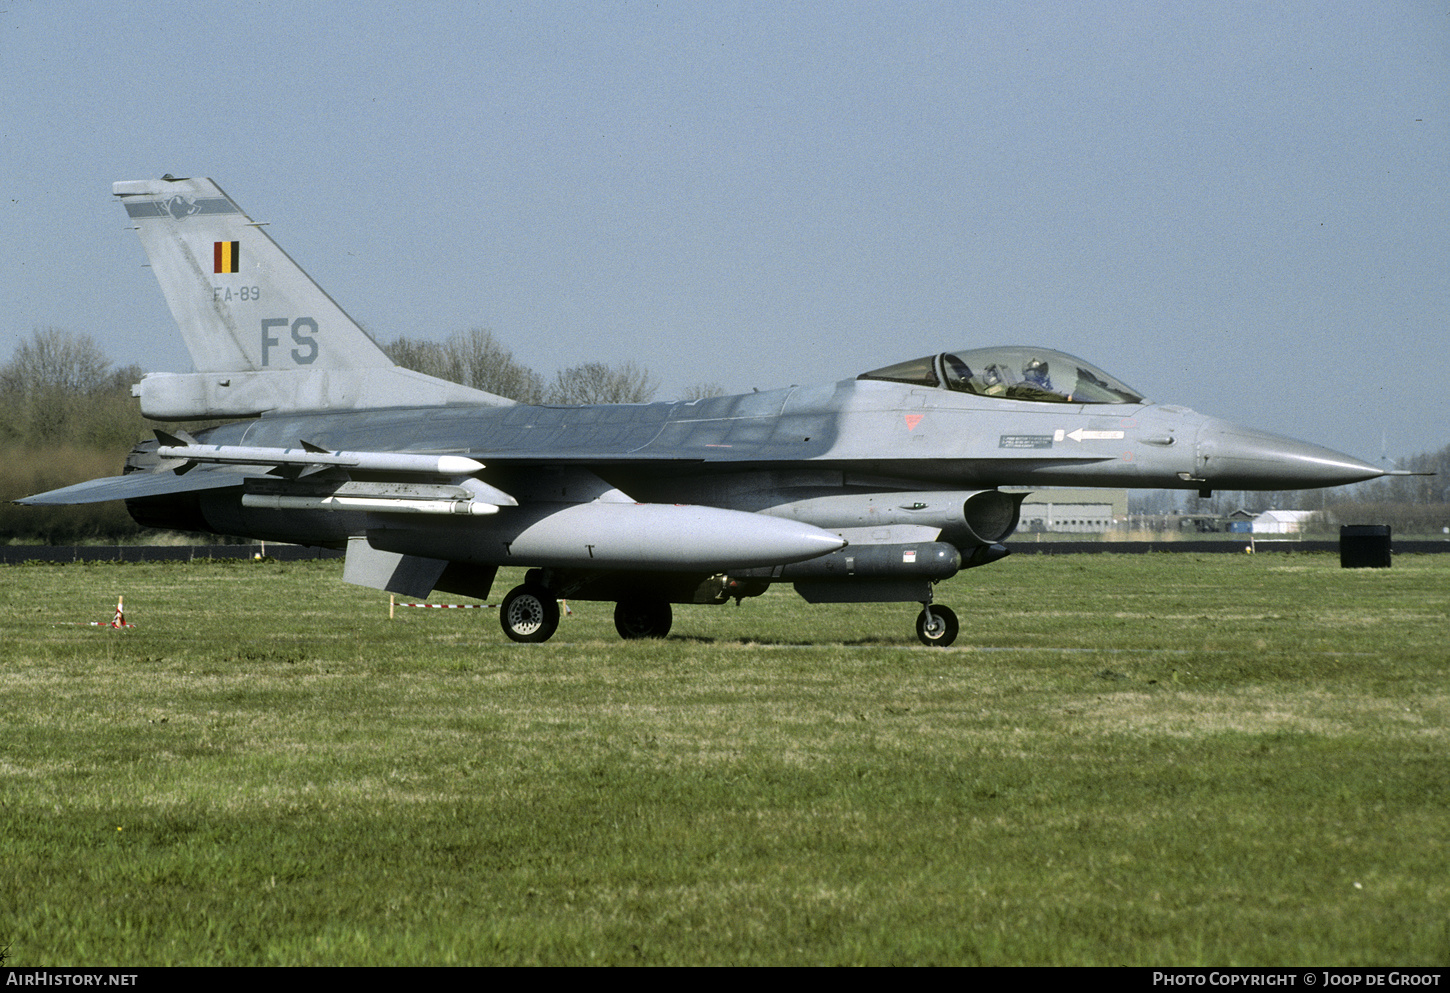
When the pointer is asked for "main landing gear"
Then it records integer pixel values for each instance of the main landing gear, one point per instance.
(530, 613)
(643, 617)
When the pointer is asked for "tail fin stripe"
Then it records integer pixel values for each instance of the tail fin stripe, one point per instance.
(226, 256)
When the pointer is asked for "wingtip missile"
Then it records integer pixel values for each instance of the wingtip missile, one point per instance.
(312, 455)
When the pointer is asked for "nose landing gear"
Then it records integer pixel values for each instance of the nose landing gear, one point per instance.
(936, 625)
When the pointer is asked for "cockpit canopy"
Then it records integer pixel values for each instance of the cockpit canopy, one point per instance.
(1012, 373)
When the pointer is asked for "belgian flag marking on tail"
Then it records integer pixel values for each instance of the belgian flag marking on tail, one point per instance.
(227, 255)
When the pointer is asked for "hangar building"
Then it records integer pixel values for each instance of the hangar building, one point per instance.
(1073, 511)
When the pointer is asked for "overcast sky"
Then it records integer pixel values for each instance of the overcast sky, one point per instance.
(1239, 207)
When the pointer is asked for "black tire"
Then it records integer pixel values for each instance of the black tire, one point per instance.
(529, 614)
(943, 630)
(644, 617)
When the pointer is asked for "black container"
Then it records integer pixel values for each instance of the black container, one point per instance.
(1364, 546)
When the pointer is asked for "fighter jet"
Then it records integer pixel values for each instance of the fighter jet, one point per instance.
(871, 489)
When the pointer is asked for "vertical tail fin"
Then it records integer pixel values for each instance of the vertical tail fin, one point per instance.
(241, 302)
(262, 335)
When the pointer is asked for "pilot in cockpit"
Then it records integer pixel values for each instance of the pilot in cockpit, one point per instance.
(1034, 373)
(993, 382)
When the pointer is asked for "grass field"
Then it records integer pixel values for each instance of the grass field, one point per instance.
(1165, 759)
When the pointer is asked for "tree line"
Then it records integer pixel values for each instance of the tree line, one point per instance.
(475, 358)
(67, 415)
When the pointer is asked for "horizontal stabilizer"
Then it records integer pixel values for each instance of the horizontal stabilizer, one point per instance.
(135, 486)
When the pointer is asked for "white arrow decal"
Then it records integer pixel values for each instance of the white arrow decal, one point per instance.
(1081, 435)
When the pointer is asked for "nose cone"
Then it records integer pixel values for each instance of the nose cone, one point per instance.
(1232, 457)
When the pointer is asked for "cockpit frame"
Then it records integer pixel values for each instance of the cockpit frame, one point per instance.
(1014, 372)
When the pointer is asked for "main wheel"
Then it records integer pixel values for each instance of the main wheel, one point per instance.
(643, 617)
(529, 614)
(941, 631)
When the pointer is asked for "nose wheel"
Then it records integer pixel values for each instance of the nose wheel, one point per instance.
(936, 625)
